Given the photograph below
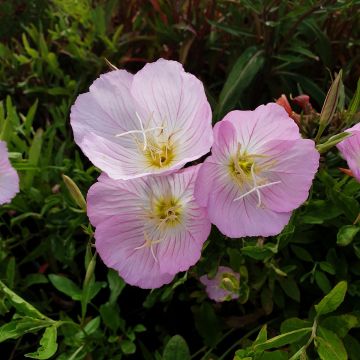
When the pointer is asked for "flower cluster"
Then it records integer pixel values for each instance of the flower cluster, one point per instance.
(9, 179)
(151, 216)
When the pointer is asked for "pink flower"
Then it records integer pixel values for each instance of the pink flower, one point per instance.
(224, 286)
(148, 229)
(259, 171)
(9, 179)
(148, 123)
(350, 150)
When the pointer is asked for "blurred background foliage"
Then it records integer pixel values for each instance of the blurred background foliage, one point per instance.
(246, 53)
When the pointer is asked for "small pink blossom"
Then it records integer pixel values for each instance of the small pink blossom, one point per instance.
(148, 123)
(259, 171)
(150, 228)
(350, 150)
(9, 179)
(224, 286)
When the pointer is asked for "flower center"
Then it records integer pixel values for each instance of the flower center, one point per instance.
(164, 213)
(242, 169)
(159, 155)
(167, 212)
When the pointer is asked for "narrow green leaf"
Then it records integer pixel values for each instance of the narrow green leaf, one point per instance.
(34, 156)
(331, 142)
(18, 327)
(116, 284)
(22, 306)
(262, 336)
(66, 286)
(332, 300)
(355, 102)
(48, 345)
(176, 349)
(30, 117)
(283, 339)
(241, 75)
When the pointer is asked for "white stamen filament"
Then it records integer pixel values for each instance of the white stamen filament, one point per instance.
(141, 131)
(256, 188)
(150, 244)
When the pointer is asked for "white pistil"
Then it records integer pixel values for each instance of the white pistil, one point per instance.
(141, 131)
(256, 188)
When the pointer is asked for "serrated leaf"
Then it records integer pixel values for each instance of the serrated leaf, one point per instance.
(176, 349)
(332, 300)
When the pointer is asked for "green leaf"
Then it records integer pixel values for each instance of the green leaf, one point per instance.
(355, 102)
(110, 315)
(322, 281)
(127, 347)
(352, 347)
(22, 306)
(90, 288)
(262, 336)
(274, 355)
(207, 323)
(116, 284)
(34, 156)
(283, 339)
(176, 349)
(66, 286)
(331, 142)
(341, 324)
(18, 327)
(290, 288)
(241, 76)
(346, 234)
(332, 300)
(48, 345)
(329, 346)
(294, 324)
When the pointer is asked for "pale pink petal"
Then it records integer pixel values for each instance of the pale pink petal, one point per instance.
(294, 164)
(350, 150)
(238, 218)
(106, 110)
(176, 100)
(265, 123)
(116, 240)
(9, 179)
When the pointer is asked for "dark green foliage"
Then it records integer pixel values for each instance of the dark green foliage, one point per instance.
(57, 299)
